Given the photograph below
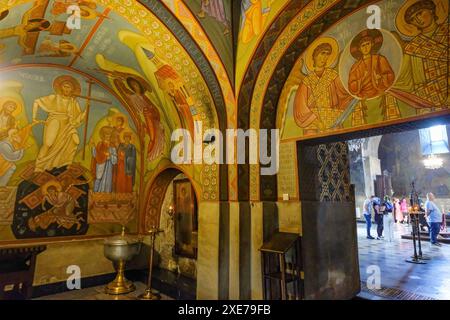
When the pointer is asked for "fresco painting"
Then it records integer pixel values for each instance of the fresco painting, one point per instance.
(84, 123)
(75, 153)
(215, 18)
(46, 177)
(254, 15)
(256, 18)
(346, 81)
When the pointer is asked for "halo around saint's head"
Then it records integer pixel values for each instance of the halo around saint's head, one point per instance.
(57, 83)
(11, 92)
(377, 40)
(322, 41)
(51, 183)
(409, 30)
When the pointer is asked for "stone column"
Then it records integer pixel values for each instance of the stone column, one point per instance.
(371, 163)
(213, 251)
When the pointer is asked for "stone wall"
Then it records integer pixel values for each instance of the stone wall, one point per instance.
(165, 241)
(52, 264)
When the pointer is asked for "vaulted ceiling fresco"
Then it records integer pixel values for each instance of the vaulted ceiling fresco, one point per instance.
(280, 90)
(113, 37)
(140, 69)
(87, 112)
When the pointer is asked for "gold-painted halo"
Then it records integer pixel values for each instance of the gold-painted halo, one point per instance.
(123, 117)
(124, 133)
(19, 104)
(408, 29)
(333, 56)
(57, 83)
(51, 183)
(11, 91)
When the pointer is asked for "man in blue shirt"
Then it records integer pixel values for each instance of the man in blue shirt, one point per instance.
(434, 216)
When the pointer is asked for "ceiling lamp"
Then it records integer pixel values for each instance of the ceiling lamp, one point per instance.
(433, 162)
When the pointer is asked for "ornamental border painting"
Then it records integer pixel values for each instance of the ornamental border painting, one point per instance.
(352, 77)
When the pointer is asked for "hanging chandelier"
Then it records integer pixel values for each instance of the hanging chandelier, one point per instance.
(433, 162)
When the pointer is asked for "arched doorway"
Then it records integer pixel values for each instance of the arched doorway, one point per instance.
(172, 206)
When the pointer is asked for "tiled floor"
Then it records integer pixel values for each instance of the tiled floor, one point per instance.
(98, 293)
(431, 280)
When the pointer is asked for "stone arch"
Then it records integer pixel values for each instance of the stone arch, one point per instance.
(155, 196)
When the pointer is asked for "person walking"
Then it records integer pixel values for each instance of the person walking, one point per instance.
(434, 217)
(367, 211)
(376, 204)
(388, 218)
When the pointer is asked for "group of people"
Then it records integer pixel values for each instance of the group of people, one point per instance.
(383, 215)
(387, 212)
(114, 159)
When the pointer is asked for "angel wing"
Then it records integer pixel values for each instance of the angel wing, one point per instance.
(155, 131)
(290, 87)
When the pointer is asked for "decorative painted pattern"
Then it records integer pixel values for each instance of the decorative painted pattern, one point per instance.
(307, 15)
(312, 21)
(292, 30)
(248, 84)
(185, 16)
(334, 172)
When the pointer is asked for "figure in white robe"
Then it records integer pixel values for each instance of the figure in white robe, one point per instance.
(60, 138)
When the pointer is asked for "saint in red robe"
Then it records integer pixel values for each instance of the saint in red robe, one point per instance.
(370, 78)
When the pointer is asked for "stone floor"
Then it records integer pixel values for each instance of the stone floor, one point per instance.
(399, 279)
(97, 293)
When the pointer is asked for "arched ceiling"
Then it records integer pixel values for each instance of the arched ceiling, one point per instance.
(297, 26)
(287, 39)
(115, 39)
(180, 41)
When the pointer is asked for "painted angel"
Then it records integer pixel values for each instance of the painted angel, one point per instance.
(320, 98)
(134, 89)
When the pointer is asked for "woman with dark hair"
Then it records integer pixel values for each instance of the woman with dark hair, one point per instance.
(378, 210)
(388, 218)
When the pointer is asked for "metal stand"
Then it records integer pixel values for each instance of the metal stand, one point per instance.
(149, 294)
(416, 258)
(421, 256)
